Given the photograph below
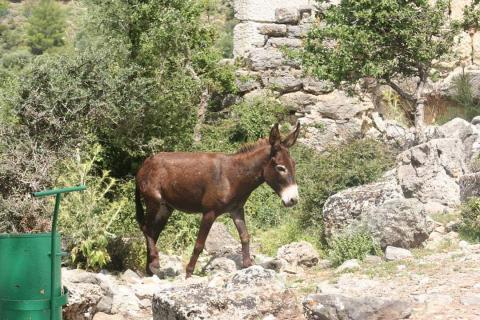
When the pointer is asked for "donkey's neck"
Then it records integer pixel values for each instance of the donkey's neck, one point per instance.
(248, 168)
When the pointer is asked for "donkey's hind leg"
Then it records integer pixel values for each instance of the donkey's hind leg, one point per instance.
(155, 221)
(207, 220)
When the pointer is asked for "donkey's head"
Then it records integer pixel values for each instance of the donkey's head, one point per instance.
(279, 173)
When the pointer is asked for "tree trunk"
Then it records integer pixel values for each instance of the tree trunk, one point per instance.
(202, 109)
(471, 33)
(420, 112)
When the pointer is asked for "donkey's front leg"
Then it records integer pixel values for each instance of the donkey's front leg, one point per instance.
(238, 217)
(205, 225)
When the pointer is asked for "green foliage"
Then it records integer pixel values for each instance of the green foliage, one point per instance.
(3, 8)
(352, 245)
(320, 176)
(46, 26)
(254, 119)
(463, 95)
(471, 17)
(470, 220)
(272, 238)
(378, 39)
(86, 218)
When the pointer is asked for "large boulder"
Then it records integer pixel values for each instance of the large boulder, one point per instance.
(347, 207)
(399, 222)
(430, 171)
(252, 293)
(338, 307)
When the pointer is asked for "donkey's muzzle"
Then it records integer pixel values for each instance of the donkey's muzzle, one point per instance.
(290, 195)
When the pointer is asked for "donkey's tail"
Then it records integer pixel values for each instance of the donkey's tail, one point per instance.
(140, 216)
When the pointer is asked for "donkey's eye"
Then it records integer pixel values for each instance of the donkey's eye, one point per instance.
(280, 168)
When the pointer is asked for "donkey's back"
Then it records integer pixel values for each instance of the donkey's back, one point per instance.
(183, 180)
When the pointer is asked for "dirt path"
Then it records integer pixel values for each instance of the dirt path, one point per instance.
(443, 285)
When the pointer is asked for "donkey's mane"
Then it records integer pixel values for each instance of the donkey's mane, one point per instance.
(247, 147)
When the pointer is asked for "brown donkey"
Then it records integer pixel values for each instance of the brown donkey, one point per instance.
(212, 184)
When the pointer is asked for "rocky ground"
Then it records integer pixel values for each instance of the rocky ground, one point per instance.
(440, 281)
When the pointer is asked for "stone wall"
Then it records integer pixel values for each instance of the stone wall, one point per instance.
(330, 116)
(265, 28)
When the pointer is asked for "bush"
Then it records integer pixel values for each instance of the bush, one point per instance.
(463, 95)
(352, 245)
(470, 220)
(86, 218)
(342, 167)
(46, 26)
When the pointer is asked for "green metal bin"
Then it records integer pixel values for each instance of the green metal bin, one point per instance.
(30, 276)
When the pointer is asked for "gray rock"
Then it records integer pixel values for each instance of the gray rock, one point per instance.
(337, 105)
(338, 307)
(429, 172)
(379, 122)
(287, 15)
(170, 266)
(469, 186)
(323, 133)
(317, 87)
(448, 88)
(299, 31)
(263, 59)
(105, 304)
(476, 120)
(399, 222)
(348, 265)
(458, 128)
(246, 82)
(130, 277)
(394, 253)
(220, 241)
(85, 290)
(282, 81)
(273, 29)
(347, 207)
(125, 301)
(253, 275)
(298, 100)
(221, 265)
(299, 253)
(284, 42)
(252, 293)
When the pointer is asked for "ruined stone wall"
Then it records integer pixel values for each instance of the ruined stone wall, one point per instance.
(266, 27)
(330, 116)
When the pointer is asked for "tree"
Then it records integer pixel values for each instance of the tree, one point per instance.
(385, 40)
(471, 23)
(46, 26)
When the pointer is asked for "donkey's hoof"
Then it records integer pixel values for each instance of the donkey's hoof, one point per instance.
(152, 269)
(247, 264)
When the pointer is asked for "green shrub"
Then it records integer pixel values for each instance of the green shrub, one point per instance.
(3, 8)
(46, 26)
(470, 219)
(463, 95)
(342, 167)
(254, 118)
(87, 217)
(352, 245)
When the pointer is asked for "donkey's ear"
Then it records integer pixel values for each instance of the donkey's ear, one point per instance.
(275, 139)
(292, 137)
